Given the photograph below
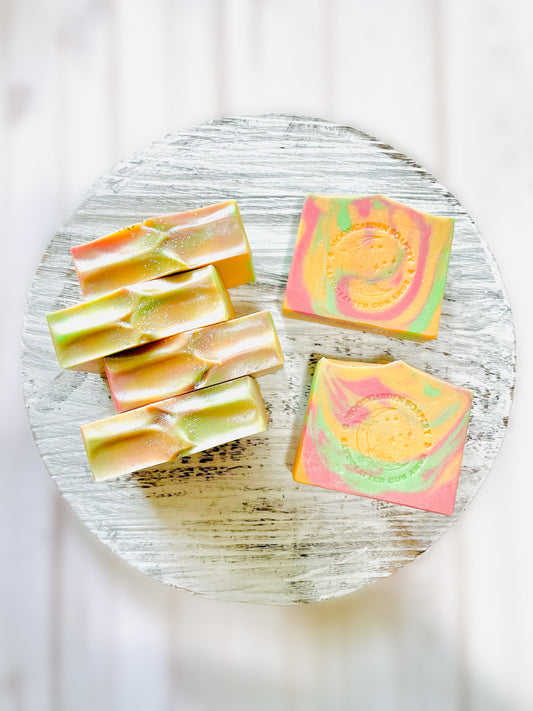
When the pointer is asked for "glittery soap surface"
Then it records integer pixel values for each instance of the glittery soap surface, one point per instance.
(165, 245)
(84, 334)
(179, 426)
(243, 346)
(387, 431)
(371, 263)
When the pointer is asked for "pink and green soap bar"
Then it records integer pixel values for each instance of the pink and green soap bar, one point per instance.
(369, 262)
(137, 314)
(206, 356)
(166, 245)
(180, 426)
(386, 431)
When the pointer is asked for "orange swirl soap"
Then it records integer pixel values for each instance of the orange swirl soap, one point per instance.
(196, 359)
(386, 431)
(369, 262)
(137, 314)
(177, 427)
(165, 245)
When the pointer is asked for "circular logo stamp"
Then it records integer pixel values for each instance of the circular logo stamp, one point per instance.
(386, 435)
(370, 265)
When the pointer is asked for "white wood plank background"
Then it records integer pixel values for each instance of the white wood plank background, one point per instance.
(85, 82)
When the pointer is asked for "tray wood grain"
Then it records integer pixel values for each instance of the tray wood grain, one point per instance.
(231, 523)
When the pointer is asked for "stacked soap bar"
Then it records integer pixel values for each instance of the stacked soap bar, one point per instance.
(371, 263)
(386, 431)
(195, 359)
(177, 360)
(84, 334)
(179, 426)
(166, 245)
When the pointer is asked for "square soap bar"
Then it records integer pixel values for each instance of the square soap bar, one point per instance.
(195, 359)
(387, 431)
(84, 334)
(370, 263)
(179, 426)
(165, 245)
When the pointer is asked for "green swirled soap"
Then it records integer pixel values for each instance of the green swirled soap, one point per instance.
(177, 427)
(137, 314)
(369, 262)
(386, 431)
(196, 359)
(166, 245)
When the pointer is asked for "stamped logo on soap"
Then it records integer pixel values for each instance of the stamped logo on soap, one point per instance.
(370, 265)
(386, 438)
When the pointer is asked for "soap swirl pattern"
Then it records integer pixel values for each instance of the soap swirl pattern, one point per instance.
(370, 262)
(387, 431)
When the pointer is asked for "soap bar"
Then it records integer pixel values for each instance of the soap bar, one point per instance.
(137, 314)
(165, 245)
(387, 431)
(179, 426)
(370, 263)
(195, 359)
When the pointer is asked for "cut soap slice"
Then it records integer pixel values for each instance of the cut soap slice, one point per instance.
(386, 431)
(370, 263)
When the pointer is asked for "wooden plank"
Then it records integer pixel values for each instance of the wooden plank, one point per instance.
(142, 102)
(488, 64)
(86, 45)
(113, 630)
(190, 45)
(241, 650)
(274, 56)
(112, 640)
(27, 505)
(383, 73)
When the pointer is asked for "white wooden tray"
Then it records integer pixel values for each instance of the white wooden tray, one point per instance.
(231, 523)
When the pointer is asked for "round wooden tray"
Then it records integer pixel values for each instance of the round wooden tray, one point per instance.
(231, 523)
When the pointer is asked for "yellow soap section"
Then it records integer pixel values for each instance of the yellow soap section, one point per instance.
(244, 346)
(165, 245)
(138, 314)
(179, 426)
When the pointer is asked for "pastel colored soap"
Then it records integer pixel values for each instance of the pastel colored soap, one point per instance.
(386, 431)
(179, 426)
(195, 359)
(165, 245)
(137, 314)
(369, 262)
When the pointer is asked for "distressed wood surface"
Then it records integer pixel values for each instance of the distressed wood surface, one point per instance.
(231, 523)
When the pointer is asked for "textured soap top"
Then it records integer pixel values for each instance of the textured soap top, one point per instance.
(165, 245)
(369, 262)
(179, 426)
(387, 431)
(137, 314)
(243, 346)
